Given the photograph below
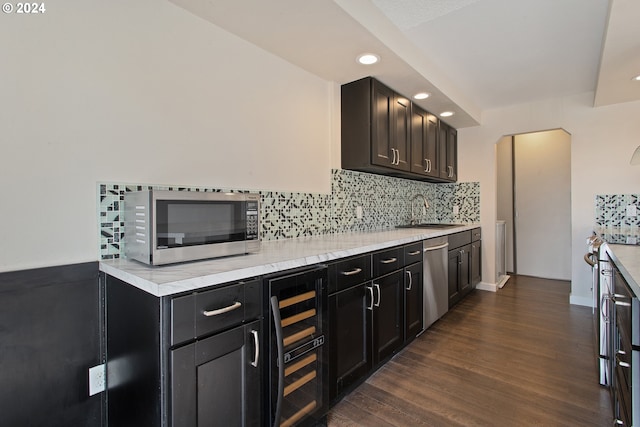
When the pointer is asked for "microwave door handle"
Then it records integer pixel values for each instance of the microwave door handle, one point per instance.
(275, 312)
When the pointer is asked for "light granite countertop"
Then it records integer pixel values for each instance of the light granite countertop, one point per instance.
(627, 259)
(274, 256)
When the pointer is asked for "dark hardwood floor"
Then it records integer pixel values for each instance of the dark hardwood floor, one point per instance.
(520, 357)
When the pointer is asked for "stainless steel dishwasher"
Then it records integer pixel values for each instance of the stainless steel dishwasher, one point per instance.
(436, 277)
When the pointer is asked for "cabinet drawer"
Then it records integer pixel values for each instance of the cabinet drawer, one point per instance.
(412, 253)
(349, 272)
(387, 261)
(457, 240)
(476, 234)
(224, 307)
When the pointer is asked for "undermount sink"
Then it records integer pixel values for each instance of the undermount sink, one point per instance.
(428, 225)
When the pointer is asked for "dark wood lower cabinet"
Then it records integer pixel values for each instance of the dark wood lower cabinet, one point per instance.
(218, 378)
(388, 315)
(350, 342)
(413, 301)
(193, 359)
(459, 273)
(476, 263)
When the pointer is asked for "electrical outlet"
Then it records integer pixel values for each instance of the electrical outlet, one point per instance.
(359, 212)
(456, 209)
(97, 379)
(631, 210)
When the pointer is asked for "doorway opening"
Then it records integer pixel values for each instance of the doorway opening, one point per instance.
(534, 201)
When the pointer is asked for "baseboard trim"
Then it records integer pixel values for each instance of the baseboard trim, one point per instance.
(484, 286)
(584, 301)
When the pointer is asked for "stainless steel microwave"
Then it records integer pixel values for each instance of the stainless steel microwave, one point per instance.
(164, 227)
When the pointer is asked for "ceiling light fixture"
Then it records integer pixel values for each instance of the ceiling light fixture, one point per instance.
(446, 114)
(422, 95)
(368, 58)
(636, 78)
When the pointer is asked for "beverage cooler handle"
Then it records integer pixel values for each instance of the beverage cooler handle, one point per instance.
(256, 342)
(275, 312)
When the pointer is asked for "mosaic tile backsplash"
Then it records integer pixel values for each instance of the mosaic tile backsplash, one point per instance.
(385, 202)
(611, 210)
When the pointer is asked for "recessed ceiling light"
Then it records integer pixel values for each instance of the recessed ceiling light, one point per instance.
(368, 58)
(446, 114)
(422, 95)
(636, 78)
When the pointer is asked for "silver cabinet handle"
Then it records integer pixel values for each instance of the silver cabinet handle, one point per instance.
(427, 165)
(370, 289)
(414, 253)
(256, 354)
(410, 281)
(388, 261)
(623, 364)
(618, 422)
(450, 169)
(377, 304)
(232, 307)
(352, 272)
(393, 151)
(398, 159)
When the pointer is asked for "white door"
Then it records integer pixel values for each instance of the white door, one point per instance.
(542, 180)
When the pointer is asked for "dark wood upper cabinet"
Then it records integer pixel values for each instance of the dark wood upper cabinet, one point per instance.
(384, 132)
(424, 143)
(448, 146)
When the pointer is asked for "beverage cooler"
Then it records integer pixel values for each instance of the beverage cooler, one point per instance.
(295, 388)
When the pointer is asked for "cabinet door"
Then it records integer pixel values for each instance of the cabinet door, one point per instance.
(413, 285)
(350, 338)
(424, 143)
(454, 277)
(218, 379)
(452, 154)
(464, 284)
(382, 125)
(388, 315)
(448, 146)
(402, 132)
(476, 263)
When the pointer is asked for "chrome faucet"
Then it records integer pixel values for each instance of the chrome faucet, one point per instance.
(425, 204)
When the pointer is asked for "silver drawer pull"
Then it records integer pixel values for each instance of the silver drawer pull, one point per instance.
(414, 253)
(408, 288)
(623, 364)
(232, 307)
(388, 261)
(352, 272)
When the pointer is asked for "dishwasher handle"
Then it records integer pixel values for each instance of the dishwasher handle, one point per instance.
(435, 248)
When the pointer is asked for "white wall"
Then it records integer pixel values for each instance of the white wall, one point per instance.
(142, 92)
(602, 141)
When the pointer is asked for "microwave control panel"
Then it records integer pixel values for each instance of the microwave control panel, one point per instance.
(252, 219)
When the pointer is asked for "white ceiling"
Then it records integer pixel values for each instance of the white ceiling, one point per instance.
(470, 55)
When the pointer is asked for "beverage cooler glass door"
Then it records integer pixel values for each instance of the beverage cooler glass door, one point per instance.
(297, 312)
